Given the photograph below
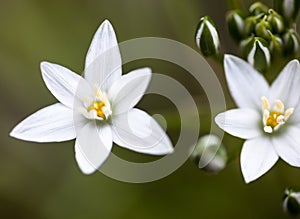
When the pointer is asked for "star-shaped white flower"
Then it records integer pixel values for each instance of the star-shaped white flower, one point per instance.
(268, 117)
(97, 110)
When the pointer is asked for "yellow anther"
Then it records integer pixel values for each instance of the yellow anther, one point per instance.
(97, 106)
(273, 120)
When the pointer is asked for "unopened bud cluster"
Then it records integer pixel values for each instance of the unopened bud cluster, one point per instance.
(264, 32)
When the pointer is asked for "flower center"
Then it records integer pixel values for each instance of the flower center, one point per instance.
(275, 117)
(97, 107)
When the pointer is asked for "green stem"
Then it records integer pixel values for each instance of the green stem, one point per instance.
(219, 59)
(233, 145)
(235, 4)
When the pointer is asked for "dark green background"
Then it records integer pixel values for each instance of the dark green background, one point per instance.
(43, 180)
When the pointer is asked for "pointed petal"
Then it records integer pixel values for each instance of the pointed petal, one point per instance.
(129, 89)
(242, 123)
(50, 124)
(295, 117)
(138, 131)
(246, 85)
(84, 94)
(286, 86)
(61, 82)
(287, 146)
(93, 146)
(257, 157)
(103, 63)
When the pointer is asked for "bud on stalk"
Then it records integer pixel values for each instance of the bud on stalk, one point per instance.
(210, 154)
(207, 37)
(291, 202)
(258, 8)
(288, 9)
(275, 21)
(256, 51)
(235, 21)
(291, 42)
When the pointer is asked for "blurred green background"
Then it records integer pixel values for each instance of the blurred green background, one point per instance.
(43, 181)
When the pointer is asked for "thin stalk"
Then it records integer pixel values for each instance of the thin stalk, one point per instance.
(234, 4)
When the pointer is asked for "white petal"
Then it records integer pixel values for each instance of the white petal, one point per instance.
(286, 86)
(103, 63)
(138, 131)
(246, 85)
(84, 95)
(287, 146)
(129, 89)
(257, 157)
(93, 146)
(295, 117)
(242, 123)
(50, 124)
(61, 82)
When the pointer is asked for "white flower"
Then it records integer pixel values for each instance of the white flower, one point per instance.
(268, 117)
(97, 110)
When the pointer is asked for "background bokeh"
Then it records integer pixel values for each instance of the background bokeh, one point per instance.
(43, 181)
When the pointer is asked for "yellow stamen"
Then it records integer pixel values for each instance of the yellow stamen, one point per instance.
(265, 103)
(288, 113)
(279, 106)
(97, 106)
(275, 118)
(272, 120)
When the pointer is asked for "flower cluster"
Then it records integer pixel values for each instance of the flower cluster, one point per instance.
(98, 109)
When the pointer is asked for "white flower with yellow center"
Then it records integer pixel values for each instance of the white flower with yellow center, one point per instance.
(268, 117)
(97, 110)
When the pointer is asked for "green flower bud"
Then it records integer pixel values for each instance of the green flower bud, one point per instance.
(263, 29)
(235, 21)
(257, 53)
(250, 24)
(258, 8)
(288, 9)
(291, 42)
(210, 154)
(276, 44)
(276, 21)
(291, 202)
(207, 37)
